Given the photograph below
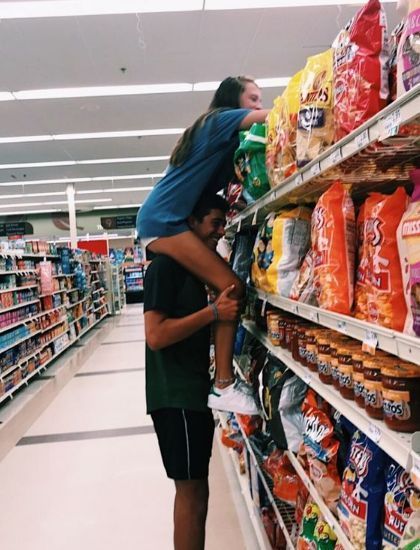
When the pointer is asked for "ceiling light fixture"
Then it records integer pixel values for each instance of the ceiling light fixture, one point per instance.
(117, 206)
(12, 205)
(24, 212)
(120, 190)
(121, 160)
(94, 135)
(15, 183)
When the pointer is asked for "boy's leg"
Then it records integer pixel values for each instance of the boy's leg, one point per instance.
(190, 512)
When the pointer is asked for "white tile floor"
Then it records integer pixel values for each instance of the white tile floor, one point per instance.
(67, 487)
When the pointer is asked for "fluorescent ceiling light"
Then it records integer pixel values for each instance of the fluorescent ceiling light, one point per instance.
(12, 205)
(15, 183)
(119, 190)
(6, 96)
(100, 91)
(261, 4)
(25, 195)
(117, 206)
(67, 8)
(280, 82)
(94, 135)
(30, 212)
(121, 160)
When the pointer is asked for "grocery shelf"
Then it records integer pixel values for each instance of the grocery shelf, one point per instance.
(45, 329)
(404, 346)
(378, 154)
(19, 272)
(263, 542)
(52, 293)
(63, 275)
(69, 306)
(100, 307)
(21, 254)
(325, 511)
(73, 289)
(17, 306)
(44, 365)
(396, 444)
(14, 288)
(17, 342)
(285, 513)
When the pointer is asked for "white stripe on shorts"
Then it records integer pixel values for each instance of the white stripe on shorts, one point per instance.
(188, 443)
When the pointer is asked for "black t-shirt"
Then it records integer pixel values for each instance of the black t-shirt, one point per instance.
(176, 376)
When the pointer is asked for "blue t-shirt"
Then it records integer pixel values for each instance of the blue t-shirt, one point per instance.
(207, 168)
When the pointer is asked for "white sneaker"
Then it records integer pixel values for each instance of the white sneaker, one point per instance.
(232, 399)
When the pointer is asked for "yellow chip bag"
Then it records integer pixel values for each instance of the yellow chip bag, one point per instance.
(274, 143)
(315, 131)
(288, 119)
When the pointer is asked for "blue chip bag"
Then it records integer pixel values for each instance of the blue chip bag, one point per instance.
(361, 505)
(402, 510)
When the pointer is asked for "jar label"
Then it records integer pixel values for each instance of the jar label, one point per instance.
(346, 378)
(358, 387)
(324, 367)
(302, 352)
(397, 404)
(373, 394)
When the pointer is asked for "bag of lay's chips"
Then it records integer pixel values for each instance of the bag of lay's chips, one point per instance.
(263, 253)
(274, 143)
(408, 237)
(402, 510)
(333, 231)
(316, 121)
(249, 161)
(360, 509)
(325, 537)
(386, 302)
(288, 122)
(311, 515)
(290, 242)
(408, 65)
(361, 58)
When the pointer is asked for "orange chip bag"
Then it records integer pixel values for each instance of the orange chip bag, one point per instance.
(274, 143)
(333, 229)
(386, 302)
(288, 125)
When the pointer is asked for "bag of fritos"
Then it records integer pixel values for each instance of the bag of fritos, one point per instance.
(333, 230)
(385, 295)
(274, 143)
(316, 120)
(288, 126)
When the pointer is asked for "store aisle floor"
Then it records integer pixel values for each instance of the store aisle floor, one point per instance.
(87, 475)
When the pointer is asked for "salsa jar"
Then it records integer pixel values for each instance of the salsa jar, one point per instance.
(359, 378)
(299, 343)
(273, 334)
(345, 369)
(373, 387)
(336, 343)
(401, 396)
(282, 330)
(323, 357)
(311, 350)
(288, 335)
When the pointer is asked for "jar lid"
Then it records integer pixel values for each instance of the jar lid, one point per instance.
(348, 348)
(373, 363)
(359, 355)
(404, 370)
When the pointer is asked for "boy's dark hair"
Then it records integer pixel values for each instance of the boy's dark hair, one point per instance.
(208, 202)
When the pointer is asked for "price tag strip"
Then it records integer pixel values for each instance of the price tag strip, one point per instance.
(391, 124)
(362, 140)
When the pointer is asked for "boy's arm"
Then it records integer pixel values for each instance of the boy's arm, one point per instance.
(162, 331)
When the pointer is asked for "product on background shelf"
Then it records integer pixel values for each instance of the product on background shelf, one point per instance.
(242, 253)
(401, 395)
(275, 141)
(402, 510)
(408, 67)
(290, 409)
(272, 528)
(286, 481)
(325, 538)
(320, 449)
(395, 39)
(361, 58)
(290, 242)
(235, 198)
(249, 162)
(363, 489)
(303, 288)
(315, 131)
(333, 245)
(408, 237)
(288, 125)
(385, 296)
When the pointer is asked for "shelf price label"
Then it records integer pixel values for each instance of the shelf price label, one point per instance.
(313, 316)
(255, 217)
(362, 140)
(370, 342)
(315, 169)
(391, 124)
(264, 305)
(307, 379)
(239, 224)
(298, 180)
(294, 309)
(374, 433)
(336, 156)
(342, 326)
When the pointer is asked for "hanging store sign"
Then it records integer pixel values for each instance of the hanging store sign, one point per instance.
(118, 222)
(16, 228)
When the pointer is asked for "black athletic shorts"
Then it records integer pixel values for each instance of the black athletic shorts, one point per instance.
(185, 442)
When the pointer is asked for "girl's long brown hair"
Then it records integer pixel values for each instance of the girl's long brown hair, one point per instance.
(227, 96)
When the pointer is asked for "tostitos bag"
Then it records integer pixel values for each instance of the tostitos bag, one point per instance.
(263, 253)
(333, 245)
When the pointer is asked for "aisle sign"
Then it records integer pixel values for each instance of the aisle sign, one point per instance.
(118, 222)
(15, 228)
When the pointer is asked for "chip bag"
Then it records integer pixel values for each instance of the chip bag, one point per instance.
(361, 58)
(360, 509)
(286, 481)
(290, 242)
(275, 141)
(288, 125)
(333, 245)
(393, 59)
(263, 253)
(386, 302)
(311, 515)
(249, 161)
(316, 121)
(402, 510)
(408, 237)
(408, 65)
(325, 538)
(303, 288)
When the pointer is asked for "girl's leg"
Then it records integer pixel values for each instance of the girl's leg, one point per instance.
(189, 251)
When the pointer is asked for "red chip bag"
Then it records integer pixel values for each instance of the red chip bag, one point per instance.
(333, 229)
(361, 57)
(249, 424)
(286, 481)
(385, 295)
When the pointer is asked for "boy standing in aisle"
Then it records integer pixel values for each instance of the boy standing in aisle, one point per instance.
(177, 325)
